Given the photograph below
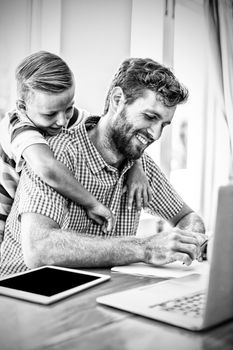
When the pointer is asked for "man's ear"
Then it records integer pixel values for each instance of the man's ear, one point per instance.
(21, 105)
(117, 99)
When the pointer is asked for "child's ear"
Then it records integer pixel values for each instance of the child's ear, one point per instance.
(21, 105)
(117, 99)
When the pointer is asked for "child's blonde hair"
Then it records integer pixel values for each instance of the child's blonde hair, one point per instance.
(42, 71)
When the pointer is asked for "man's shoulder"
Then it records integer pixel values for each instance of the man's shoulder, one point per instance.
(148, 162)
(67, 139)
(73, 140)
(152, 169)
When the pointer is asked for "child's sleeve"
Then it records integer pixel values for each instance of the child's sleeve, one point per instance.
(9, 179)
(5, 207)
(23, 133)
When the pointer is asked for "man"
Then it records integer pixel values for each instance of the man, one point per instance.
(46, 228)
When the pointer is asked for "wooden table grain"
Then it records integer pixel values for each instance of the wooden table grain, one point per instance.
(78, 322)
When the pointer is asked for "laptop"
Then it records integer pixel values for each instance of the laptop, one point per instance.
(195, 302)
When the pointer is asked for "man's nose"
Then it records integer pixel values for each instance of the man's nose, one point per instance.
(61, 119)
(155, 131)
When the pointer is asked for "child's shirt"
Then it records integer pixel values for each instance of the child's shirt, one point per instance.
(17, 132)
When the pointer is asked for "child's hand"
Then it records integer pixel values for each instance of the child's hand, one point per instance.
(102, 216)
(138, 187)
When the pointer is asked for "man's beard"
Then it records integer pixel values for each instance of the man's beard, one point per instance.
(122, 136)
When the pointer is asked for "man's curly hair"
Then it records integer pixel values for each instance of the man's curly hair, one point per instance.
(136, 75)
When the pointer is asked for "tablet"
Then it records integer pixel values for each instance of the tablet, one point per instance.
(48, 284)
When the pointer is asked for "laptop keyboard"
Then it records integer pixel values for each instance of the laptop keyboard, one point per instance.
(192, 305)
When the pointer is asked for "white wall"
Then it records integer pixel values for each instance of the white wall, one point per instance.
(147, 40)
(93, 36)
(190, 66)
(14, 44)
(95, 40)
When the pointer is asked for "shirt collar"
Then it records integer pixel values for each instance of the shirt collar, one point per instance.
(91, 153)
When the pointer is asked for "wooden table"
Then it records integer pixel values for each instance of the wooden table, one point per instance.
(78, 322)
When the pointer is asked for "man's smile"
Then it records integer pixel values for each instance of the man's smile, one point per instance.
(144, 139)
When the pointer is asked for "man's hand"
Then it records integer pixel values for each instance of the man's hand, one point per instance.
(203, 241)
(194, 223)
(138, 187)
(169, 246)
(102, 216)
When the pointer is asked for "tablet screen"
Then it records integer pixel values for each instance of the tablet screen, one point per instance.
(49, 283)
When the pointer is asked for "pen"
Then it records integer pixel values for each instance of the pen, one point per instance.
(202, 247)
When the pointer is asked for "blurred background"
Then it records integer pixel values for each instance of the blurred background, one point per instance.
(193, 37)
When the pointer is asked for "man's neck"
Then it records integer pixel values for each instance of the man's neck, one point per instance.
(99, 137)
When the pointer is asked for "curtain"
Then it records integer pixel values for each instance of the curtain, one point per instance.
(218, 154)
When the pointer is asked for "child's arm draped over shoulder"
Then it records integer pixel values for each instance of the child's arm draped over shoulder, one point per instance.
(28, 143)
(57, 175)
(138, 186)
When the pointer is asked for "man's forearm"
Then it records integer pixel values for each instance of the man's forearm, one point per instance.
(69, 248)
(44, 243)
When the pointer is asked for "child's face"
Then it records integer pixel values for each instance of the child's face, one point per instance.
(49, 111)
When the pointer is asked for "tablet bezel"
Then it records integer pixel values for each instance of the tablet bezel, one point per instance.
(42, 299)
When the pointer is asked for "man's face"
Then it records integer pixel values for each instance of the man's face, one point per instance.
(49, 111)
(139, 124)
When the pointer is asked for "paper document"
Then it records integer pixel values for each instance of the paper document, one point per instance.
(175, 269)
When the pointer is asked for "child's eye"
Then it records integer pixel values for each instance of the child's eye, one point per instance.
(50, 114)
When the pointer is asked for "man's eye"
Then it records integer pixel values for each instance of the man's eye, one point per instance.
(150, 117)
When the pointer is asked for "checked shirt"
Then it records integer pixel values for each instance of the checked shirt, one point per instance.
(74, 148)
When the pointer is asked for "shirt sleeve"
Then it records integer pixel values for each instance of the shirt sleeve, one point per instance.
(165, 200)
(9, 179)
(23, 133)
(38, 197)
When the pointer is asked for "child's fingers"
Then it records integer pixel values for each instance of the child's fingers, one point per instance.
(98, 220)
(104, 228)
(124, 189)
(138, 199)
(149, 193)
(130, 198)
(109, 224)
(145, 198)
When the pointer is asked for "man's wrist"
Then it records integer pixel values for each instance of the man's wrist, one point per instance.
(145, 251)
(133, 248)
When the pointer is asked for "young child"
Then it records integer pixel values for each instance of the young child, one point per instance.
(45, 105)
